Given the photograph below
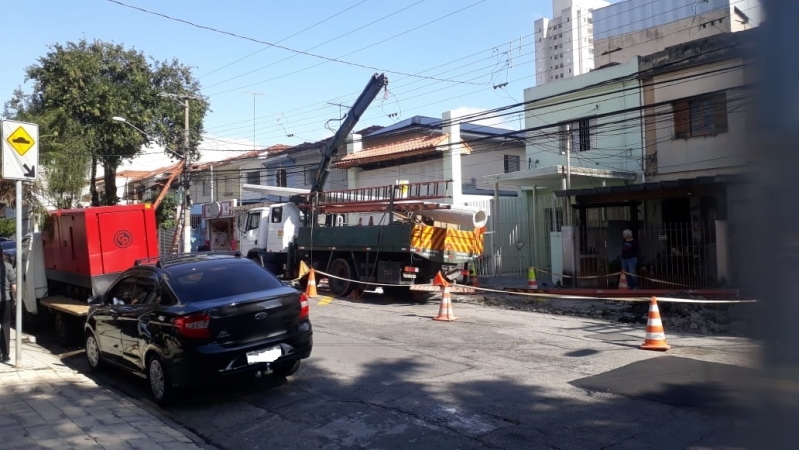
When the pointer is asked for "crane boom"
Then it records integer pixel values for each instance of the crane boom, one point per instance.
(369, 93)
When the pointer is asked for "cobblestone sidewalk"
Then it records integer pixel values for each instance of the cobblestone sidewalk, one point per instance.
(45, 404)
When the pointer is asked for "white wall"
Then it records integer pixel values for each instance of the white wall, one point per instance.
(618, 146)
(696, 156)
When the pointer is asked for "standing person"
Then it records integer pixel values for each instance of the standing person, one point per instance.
(8, 288)
(629, 257)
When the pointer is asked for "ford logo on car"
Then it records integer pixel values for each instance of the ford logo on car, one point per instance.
(261, 315)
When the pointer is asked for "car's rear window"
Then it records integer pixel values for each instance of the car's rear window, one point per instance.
(207, 280)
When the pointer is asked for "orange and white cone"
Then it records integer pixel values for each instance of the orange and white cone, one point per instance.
(655, 334)
(445, 309)
(623, 281)
(310, 288)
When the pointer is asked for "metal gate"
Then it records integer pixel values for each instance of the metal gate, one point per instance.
(672, 255)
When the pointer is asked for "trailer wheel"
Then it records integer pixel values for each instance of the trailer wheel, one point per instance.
(340, 268)
(65, 330)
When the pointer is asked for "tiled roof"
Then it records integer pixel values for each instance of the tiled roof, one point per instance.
(403, 149)
(435, 124)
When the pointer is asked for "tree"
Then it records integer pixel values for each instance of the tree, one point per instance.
(79, 87)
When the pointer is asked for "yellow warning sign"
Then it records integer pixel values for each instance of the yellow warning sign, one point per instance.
(20, 141)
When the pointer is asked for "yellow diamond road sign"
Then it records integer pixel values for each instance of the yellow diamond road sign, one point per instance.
(21, 141)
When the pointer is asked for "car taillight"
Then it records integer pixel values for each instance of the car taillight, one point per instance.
(194, 326)
(305, 308)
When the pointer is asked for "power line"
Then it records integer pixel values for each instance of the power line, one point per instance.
(327, 41)
(581, 46)
(282, 47)
(285, 38)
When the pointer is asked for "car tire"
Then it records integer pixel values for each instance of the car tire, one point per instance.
(93, 355)
(286, 369)
(159, 380)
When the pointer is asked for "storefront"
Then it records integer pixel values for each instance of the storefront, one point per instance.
(219, 224)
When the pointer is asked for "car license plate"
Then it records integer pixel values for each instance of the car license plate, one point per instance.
(266, 355)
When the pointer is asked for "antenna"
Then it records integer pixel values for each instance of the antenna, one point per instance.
(254, 94)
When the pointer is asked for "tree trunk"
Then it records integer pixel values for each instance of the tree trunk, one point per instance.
(110, 177)
(93, 182)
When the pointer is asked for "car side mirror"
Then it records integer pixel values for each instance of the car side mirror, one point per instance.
(96, 300)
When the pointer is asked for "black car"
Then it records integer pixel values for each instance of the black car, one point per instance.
(10, 249)
(193, 318)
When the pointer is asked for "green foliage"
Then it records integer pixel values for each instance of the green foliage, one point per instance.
(8, 227)
(79, 87)
(165, 213)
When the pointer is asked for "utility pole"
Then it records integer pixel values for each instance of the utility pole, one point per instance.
(186, 184)
(254, 94)
(339, 107)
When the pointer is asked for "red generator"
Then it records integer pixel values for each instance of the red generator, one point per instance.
(85, 249)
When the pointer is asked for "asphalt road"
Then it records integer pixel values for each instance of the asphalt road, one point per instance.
(384, 375)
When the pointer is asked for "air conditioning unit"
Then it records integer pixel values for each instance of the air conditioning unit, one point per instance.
(211, 209)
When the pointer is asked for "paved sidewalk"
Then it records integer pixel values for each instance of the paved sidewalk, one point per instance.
(45, 404)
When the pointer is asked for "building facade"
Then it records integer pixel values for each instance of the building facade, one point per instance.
(632, 28)
(564, 44)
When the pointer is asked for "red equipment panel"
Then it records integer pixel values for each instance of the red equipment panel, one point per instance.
(99, 240)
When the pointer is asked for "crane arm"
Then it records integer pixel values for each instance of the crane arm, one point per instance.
(377, 83)
(165, 189)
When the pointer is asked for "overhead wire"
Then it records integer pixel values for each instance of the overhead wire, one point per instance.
(327, 41)
(284, 39)
(271, 44)
(591, 45)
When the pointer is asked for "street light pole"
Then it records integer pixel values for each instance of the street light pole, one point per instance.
(187, 172)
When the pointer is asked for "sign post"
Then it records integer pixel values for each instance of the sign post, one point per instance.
(20, 142)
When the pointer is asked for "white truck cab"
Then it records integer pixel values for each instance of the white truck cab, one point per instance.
(270, 228)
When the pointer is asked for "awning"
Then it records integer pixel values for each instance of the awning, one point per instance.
(552, 176)
(649, 187)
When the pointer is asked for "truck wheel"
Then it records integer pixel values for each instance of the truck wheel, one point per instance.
(93, 353)
(160, 381)
(65, 330)
(341, 269)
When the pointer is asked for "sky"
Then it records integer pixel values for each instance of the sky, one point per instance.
(439, 55)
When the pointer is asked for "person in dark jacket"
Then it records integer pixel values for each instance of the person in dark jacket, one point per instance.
(629, 258)
(8, 288)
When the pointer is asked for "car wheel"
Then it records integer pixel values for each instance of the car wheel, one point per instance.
(160, 382)
(286, 369)
(93, 355)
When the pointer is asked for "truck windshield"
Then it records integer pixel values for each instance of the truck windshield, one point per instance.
(207, 280)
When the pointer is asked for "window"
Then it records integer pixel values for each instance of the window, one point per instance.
(206, 188)
(146, 291)
(589, 19)
(277, 214)
(512, 163)
(254, 177)
(253, 221)
(207, 280)
(122, 292)
(700, 116)
(581, 135)
(280, 177)
(308, 175)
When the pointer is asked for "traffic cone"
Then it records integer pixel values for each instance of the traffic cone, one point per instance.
(655, 335)
(439, 280)
(310, 288)
(445, 308)
(473, 275)
(623, 281)
(531, 282)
